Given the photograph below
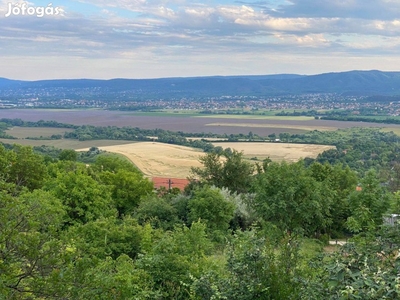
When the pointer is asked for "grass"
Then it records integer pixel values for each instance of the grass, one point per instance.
(395, 130)
(258, 117)
(65, 143)
(278, 126)
(310, 248)
(24, 132)
(119, 156)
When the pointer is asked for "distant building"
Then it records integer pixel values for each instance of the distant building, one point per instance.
(170, 183)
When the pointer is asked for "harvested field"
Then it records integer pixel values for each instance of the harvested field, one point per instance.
(172, 161)
(276, 151)
(159, 160)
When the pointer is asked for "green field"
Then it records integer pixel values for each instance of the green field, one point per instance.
(258, 117)
(395, 130)
(294, 127)
(36, 132)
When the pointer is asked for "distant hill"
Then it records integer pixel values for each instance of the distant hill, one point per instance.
(369, 83)
(8, 83)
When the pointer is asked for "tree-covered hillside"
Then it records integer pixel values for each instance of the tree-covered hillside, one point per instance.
(70, 230)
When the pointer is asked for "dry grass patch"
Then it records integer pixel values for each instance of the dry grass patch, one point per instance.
(158, 159)
(276, 151)
(395, 130)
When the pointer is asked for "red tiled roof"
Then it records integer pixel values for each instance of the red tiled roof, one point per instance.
(175, 182)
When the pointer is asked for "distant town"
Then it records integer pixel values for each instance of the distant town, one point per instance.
(222, 104)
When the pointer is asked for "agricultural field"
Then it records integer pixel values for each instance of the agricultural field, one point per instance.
(165, 160)
(275, 151)
(65, 143)
(258, 117)
(187, 122)
(158, 159)
(36, 132)
(288, 127)
(395, 130)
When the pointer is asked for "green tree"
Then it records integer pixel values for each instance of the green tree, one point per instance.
(208, 204)
(287, 196)
(255, 269)
(368, 205)
(113, 163)
(176, 258)
(228, 169)
(68, 154)
(22, 167)
(127, 189)
(107, 237)
(341, 181)
(30, 246)
(365, 268)
(158, 212)
(84, 198)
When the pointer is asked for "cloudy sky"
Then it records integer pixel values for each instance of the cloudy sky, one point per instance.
(171, 38)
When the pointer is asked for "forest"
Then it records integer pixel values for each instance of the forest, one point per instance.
(99, 230)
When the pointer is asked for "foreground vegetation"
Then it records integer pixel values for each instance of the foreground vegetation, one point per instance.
(71, 230)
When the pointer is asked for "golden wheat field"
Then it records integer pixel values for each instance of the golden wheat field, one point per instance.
(165, 160)
(158, 159)
(276, 151)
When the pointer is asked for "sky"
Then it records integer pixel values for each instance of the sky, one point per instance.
(182, 38)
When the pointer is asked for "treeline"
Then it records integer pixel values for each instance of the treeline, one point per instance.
(364, 115)
(359, 148)
(379, 119)
(238, 231)
(87, 132)
(3, 127)
(307, 113)
(40, 123)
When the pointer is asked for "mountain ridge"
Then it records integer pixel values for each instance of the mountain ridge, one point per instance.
(373, 82)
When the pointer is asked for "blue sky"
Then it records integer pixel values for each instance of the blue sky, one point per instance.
(170, 38)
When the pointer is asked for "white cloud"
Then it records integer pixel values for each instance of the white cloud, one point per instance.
(178, 33)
